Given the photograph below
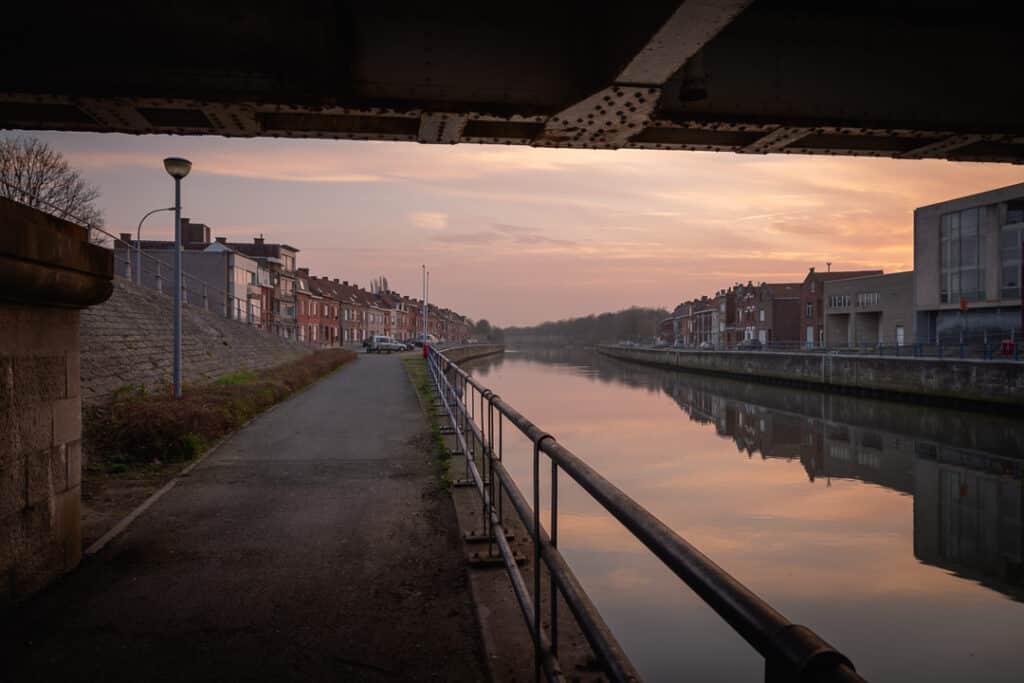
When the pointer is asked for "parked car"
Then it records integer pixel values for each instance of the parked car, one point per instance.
(382, 344)
(706, 346)
(750, 345)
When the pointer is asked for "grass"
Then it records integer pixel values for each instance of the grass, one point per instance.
(416, 369)
(138, 430)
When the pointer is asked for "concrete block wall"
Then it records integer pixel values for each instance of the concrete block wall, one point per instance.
(995, 382)
(127, 341)
(40, 447)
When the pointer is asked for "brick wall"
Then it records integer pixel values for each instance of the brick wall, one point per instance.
(40, 446)
(128, 341)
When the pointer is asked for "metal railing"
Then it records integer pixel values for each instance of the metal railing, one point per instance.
(476, 417)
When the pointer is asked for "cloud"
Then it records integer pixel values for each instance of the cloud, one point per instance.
(429, 220)
(505, 233)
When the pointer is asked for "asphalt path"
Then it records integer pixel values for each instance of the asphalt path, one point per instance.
(316, 544)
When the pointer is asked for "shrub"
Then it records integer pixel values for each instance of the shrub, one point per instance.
(137, 428)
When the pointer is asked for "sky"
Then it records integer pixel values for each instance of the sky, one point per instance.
(520, 235)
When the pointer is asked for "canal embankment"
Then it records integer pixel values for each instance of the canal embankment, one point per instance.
(969, 381)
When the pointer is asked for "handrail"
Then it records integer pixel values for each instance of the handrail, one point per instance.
(791, 651)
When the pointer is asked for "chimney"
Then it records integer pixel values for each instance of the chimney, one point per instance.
(126, 237)
(193, 233)
(258, 240)
(812, 270)
(345, 282)
(304, 272)
(336, 280)
(222, 240)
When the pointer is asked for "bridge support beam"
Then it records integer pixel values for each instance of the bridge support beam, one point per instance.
(48, 272)
(610, 117)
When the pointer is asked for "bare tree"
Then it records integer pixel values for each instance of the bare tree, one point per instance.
(35, 174)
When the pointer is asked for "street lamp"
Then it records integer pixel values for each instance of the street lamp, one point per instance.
(177, 168)
(138, 244)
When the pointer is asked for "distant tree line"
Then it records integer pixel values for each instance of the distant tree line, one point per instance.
(634, 323)
(483, 330)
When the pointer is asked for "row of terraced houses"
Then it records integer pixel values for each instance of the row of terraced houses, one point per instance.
(965, 288)
(260, 284)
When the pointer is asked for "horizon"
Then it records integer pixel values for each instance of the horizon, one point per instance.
(597, 231)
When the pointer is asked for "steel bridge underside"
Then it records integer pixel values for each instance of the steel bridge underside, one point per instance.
(908, 79)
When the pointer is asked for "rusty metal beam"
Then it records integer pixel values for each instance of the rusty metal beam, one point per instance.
(777, 140)
(610, 117)
(441, 128)
(941, 147)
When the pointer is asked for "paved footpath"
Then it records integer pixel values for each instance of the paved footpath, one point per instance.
(314, 545)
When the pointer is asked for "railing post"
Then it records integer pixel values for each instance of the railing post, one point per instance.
(159, 279)
(536, 560)
(206, 301)
(554, 544)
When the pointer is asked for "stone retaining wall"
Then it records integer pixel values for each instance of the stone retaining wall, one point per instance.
(998, 382)
(128, 341)
(461, 354)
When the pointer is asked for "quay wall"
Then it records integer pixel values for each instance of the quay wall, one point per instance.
(128, 341)
(461, 354)
(966, 380)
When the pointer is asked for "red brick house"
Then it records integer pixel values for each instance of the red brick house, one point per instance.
(777, 312)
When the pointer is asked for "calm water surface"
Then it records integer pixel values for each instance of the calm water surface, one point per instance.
(895, 531)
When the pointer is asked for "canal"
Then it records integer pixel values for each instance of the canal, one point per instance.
(893, 530)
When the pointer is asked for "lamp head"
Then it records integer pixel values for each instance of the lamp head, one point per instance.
(177, 167)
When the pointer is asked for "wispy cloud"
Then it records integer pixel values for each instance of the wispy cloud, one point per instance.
(429, 220)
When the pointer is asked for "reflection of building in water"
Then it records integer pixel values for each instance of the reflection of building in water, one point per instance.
(868, 455)
(968, 498)
(968, 505)
(968, 512)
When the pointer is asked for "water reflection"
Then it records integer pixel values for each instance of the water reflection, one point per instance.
(836, 561)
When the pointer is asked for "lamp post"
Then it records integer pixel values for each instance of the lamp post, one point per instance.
(177, 168)
(138, 244)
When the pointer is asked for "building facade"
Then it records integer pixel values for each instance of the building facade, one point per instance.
(812, 302)
(967, 265)
(870, 310)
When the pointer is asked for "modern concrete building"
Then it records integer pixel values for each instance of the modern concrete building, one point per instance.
(812, 302)
(869, 310)
(216, 276)
(967, 262)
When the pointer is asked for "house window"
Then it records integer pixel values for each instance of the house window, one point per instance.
(760, 315)
(867, 298)
(810, 310)
(962, 245)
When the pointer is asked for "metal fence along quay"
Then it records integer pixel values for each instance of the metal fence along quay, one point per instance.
(476, 417)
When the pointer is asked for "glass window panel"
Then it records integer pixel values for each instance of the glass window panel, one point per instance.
(969, 222)
(1011, 274)
(968, 252)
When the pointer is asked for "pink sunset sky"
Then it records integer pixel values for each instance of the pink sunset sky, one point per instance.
(520, 235)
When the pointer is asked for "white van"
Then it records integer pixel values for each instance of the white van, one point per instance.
(382, 344)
